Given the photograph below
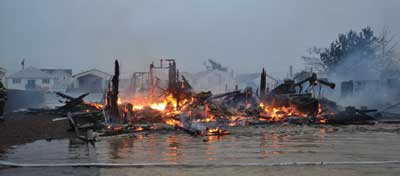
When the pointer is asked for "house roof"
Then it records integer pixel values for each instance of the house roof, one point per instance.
(30, 72)
(91, 71)
(51, 71)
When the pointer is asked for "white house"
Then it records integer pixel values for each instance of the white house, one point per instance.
(30, 78)
(92, 80)
(62, 78)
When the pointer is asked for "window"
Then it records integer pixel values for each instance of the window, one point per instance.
(16, 81)
(45, 81)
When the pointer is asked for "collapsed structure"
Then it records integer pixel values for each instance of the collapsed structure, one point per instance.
(151, 105)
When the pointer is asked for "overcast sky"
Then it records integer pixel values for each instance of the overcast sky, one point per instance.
(244, 35)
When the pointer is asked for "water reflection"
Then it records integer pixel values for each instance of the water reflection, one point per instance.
(242, 146)
(81, 150)
(120, 145)
(172, 150)
(322, 134)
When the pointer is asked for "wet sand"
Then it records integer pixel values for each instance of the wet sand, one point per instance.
(20, 128)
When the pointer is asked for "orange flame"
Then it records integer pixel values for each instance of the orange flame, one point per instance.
(279, 113)
(323, 121)
(216, 131)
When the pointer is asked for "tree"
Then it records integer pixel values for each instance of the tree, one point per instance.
(353, 52)
(389, 61)
(214, 65)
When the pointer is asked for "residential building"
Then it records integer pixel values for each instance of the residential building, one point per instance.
(62, 78)
(93, 81)
(30, 78)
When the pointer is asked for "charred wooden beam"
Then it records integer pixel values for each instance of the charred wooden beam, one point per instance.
(177, 92)
(71, 102)
(90, 139)
(151, 77)
(263, 83)
(186, 83)
(114, 92)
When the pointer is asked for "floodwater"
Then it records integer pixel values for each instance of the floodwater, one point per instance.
(226, 155)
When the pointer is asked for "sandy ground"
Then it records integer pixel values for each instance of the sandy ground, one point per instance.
(20, 128)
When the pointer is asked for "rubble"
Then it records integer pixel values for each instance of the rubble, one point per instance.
(179, 107)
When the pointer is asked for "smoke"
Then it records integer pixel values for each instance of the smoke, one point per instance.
(371, 82)
(356, 68)
(245, 35)
(215, 81)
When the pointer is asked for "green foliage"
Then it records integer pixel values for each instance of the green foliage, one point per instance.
(360, 45)
(353, 52)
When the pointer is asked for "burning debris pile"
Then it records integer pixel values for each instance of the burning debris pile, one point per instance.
(179, 107)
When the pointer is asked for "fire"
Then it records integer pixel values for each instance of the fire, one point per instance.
(173, 122)
(95, 105)
(167, 104)
(279, 113)
(158, 106)
(262, 105)
(139, 129)
(216, 131)
(168, 111)
(232, 124)
(320, 110)
(207, 119)
(137, 107)
(323, 121)
(276, 113)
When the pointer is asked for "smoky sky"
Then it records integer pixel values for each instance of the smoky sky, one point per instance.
(244, 35)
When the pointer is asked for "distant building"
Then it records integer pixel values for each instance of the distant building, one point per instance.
(30, 78)
(62, 78)
(92, 80)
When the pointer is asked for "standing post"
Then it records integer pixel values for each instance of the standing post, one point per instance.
(114, 92)
(133, 85)
(151, 91)
(177, 89)
(263, 83)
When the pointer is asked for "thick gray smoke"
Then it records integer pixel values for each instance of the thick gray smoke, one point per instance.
(370, 82)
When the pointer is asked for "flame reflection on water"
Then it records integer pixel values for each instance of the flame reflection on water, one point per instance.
(244, 145)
